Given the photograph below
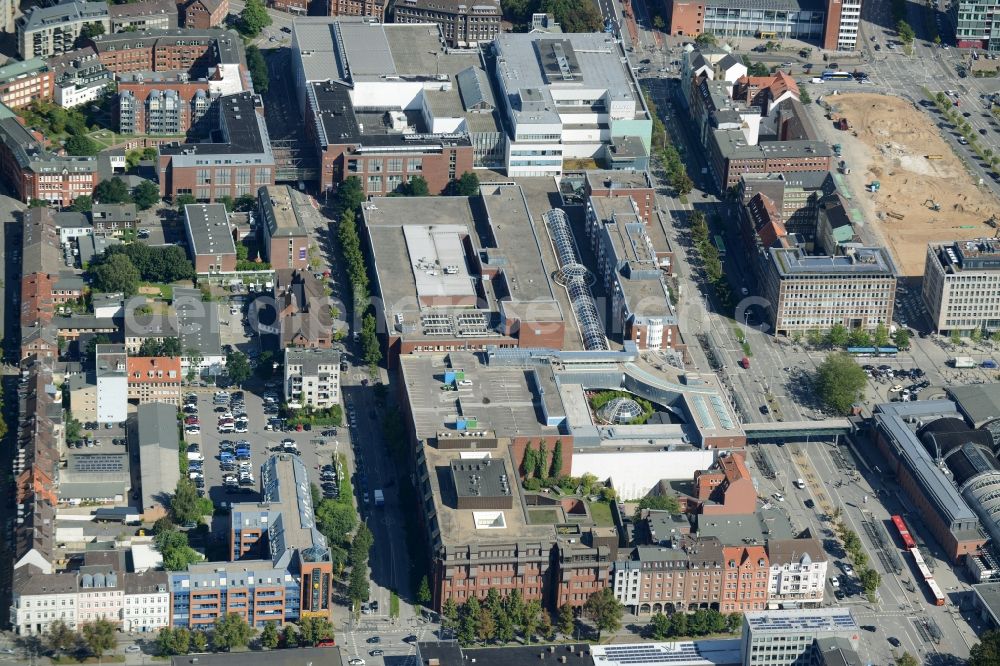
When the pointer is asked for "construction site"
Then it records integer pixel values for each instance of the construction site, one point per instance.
(904, 177)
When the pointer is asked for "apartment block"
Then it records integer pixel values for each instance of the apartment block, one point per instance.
(961, 285)
(312, 377)
(24, 82)
(281, 569)
(797, 577)
(726, 490)
(154, 379)
(146, 605)
(161, 104)
(47, 31)
(204, 14)
(973, 21)
(303, 308)
(144, 15)
(815, 292)
(462, 25)
(112, 219)
(79, 77)
(39, 599)
(286, 239)
(634, 184)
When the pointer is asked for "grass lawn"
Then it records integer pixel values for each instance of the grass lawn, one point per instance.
(543, 516)
(601, 513)
(165, 291)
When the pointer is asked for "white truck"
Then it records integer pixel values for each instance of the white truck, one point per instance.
(963, 362)
(800, 484)
(379, 498)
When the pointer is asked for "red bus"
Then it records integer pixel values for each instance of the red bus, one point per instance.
(904, 533)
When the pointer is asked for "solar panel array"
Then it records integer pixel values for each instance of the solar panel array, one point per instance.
(653, 654)
(778, 622)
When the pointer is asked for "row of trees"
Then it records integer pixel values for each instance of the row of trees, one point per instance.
(358, 588)
(869, 578)
(94, 638)
(233, 632)
(840, 382)
(499, 619)
(336, 517)
(168, 347)
(536, 463)
(840, 337)
(670, 157)
(711, 260)
(702, 622)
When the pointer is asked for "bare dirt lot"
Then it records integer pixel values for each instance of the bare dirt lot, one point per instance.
(892, 144)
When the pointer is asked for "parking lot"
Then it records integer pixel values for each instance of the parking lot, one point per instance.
(314, 449)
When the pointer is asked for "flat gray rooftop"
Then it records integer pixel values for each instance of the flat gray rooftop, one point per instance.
(502, 399)
(208, 229)
(866, 261)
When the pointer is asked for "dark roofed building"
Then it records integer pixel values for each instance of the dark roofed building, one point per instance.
(235, 161)
(210, 238)
(481, 484)
(303, 310)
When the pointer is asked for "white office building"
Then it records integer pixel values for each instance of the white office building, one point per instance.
(961, 287)
(564, 97)
(797, 574)
(40, 599)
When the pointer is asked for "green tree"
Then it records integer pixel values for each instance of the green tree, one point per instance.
(237, 367)
(182, 200)
(449, 614)
(176, 552)
(604, 610)
(314, 629)
(184, 503)
(486, 625)
(87, 32)
(146, 195)
(467, 185)
(81, 144)
(838, 336)
(530, 620)
(987, 651)
(289, 636)
(226, 201)
(901, 338)
(530, 462)
(804, 95)
(231, 631)
(424, 592)
(881, 336)
(574, 15)
(907, 659)
(557, 460)
(99, 636)
(906, 34)
(859, 337)
(706, 38)
(199, 641)
(416, 186)
(566, 621)
(543, 459)
(840, 382)
(195, 358)
(976, 336)
(336, 519)
(166, 642)
(82, 204)
(253, 18)
(60, 637)
(116, 274)
(956, 337)
(659, 627)
(870, 580)
(112, 192)
(667, 503)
